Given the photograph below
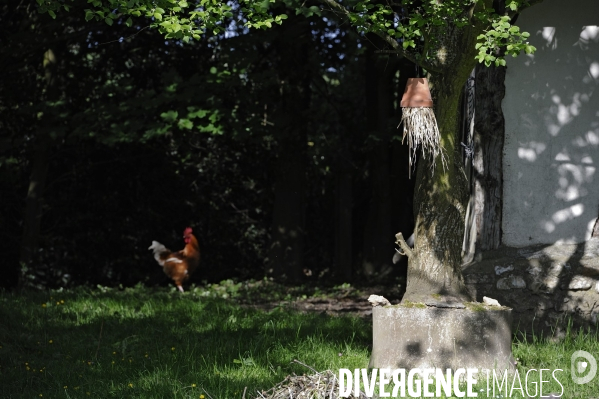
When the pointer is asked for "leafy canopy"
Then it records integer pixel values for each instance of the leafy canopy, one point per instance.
(416, 25)
(411, 27)
(176, 19)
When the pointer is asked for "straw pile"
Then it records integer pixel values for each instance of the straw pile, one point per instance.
(320, 385)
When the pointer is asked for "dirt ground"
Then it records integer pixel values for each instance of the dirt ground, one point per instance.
(351, 301)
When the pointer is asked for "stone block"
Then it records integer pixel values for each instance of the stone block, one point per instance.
(429, 337)
(507, 283)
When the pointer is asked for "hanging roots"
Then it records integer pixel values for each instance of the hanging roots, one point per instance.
(420, 126)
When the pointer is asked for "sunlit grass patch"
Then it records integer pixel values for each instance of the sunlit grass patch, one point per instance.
(157, 343)
(154, 343)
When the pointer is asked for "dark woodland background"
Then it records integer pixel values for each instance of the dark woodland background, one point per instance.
(280, 148)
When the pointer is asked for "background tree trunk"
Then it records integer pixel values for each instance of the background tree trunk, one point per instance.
(32, 218)
(343, 217)
(379, 228)
(287, 236)
(489, 133)
(34, 201)
(285, 258)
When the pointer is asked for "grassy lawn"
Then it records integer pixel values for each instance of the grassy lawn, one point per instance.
(156, 343)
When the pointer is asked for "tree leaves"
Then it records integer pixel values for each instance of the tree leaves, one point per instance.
(177, 19)
(502, 35)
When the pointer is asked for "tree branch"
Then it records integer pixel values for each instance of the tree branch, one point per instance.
(399, 240)
(388, 39)
(530, 4)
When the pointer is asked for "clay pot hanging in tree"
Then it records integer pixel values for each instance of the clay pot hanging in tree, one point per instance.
(419, 122)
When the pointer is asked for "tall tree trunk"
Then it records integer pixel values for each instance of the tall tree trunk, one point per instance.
(287, 234)
(34, 201)
(32, 218)
(379, 228)
(434, 266)
(285, 258)
(486, 139)
(343, 217)
(489, 133)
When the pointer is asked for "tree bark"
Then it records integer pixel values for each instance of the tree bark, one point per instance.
(285, 258)
(441, 196)
(343, 218)
(34, 201)
(379, 228)
(489, 133)
(32, 218)
(287, 235)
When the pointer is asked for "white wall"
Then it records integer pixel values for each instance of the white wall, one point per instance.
(551, 108)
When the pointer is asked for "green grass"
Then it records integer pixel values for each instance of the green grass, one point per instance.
(546, 353)
(142, 343)
(156, 343)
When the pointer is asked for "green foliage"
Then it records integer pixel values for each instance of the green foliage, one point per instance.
(502, 36)
(414, 25)
(417, 26)
(175, 19)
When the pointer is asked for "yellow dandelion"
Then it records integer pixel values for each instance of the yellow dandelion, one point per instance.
(57, 303)
(50, 342)
(201, 396)
(43, 306)
(146, 355)
(41, 395)
(173, 348)
(113, 362)
(193, 385)
(65, 387)
(130, 385)
(41, 371)
(28, 368)
(114, 353)
(26, 364)
(62, 301)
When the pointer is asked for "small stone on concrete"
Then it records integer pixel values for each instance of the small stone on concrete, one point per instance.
(377, 300)
(490, 301)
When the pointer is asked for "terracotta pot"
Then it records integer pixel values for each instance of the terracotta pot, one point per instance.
(417, 94)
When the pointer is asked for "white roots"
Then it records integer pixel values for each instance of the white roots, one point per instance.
(420, 126)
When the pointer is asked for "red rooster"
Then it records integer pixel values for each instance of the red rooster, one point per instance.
(178, 265)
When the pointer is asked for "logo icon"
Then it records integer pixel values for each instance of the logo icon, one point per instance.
(581, 367)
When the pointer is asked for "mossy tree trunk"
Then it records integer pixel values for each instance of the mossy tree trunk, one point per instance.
(441, 193)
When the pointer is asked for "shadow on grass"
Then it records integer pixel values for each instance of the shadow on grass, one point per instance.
(151, 343)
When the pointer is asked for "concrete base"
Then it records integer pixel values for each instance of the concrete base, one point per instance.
(417, 336)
